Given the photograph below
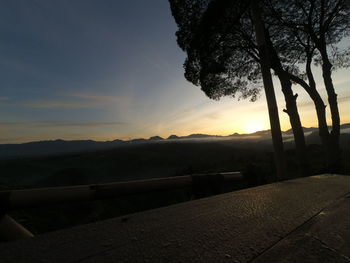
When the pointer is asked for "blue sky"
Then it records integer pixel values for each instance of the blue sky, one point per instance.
(108, 69)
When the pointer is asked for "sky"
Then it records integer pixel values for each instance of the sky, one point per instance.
(111, 69)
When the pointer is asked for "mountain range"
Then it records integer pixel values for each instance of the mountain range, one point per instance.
(56, 147)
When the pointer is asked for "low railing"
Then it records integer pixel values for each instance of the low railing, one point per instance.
(18, 199)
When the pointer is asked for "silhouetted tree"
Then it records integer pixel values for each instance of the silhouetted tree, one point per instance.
(223, 56)
(318, 26)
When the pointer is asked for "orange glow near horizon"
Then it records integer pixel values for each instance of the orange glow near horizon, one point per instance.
(224, 118)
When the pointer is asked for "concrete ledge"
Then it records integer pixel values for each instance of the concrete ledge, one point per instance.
(235, 227)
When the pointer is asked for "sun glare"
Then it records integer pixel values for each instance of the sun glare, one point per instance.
(253, 127)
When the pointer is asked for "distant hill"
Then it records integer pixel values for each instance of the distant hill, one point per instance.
(345, 126)
(199, 136)
(306, 130)
(173, 137)
(54, 147)
(57, 147)
(261, 133)
(156, 138)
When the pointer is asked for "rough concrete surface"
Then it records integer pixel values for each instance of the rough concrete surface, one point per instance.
(301, 220)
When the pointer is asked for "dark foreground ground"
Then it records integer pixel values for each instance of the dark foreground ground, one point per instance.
(254, 159)
(300, 220)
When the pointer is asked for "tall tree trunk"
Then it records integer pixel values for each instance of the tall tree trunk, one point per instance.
(319, 39)
(319, 106)
(321, 116)
(291, 108)
(335, 151)
(298, 132)
(269, 91)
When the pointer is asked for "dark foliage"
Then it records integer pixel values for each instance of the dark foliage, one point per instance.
(218, 58)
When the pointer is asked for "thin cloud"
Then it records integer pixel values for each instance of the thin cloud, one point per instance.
(4, 98)
(50, 104)
(311, 103)
(82, 124)
(100, 98)
(344, 99)
(214, 115)
(63, 124)
(78, 100)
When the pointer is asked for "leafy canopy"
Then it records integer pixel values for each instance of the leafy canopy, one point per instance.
(217, 37)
